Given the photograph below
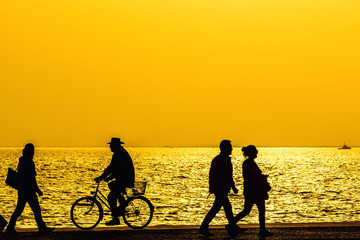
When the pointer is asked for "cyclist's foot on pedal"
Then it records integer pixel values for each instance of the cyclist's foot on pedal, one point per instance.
(114, 221)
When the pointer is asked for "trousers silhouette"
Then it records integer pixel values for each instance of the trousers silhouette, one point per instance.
(221, 200)
(247, 208)
(113, 197)
(25, 196)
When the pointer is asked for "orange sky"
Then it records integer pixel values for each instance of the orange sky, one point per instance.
(180, 72)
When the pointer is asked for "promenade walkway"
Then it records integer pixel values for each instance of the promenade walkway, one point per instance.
(345, 230)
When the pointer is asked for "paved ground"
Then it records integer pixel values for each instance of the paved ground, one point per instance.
(281, 231)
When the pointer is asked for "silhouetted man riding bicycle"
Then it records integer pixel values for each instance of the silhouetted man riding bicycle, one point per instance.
(121, 169)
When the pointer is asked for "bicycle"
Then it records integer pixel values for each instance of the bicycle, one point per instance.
(137, 212)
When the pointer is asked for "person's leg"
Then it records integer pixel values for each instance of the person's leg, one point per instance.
(211, 214)
(112, 198)
(35, 207)
(115, 194)
(231, 228)
(261, 206)
(3, 223)
(18, 210)
(263, 232)
(247, 208)
(120, 197)
(228, 209)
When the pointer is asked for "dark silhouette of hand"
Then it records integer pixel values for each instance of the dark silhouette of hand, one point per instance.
(97, 179)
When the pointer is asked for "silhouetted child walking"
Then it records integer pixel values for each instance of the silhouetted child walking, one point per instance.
(220, 183)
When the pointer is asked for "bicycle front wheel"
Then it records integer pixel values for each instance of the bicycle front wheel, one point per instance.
(86, 213)
(138, 212)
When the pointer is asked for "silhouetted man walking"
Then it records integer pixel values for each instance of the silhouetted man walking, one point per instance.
(121, 169)
(220, 183)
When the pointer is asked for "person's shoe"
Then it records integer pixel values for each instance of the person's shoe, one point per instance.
(265, 233)
(3, 224)
(205, 232)
(232, 230)
(46, 230)
(114, 221)
(240, 230)
(11, 231)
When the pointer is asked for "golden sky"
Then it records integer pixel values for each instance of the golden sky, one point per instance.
(180, 72)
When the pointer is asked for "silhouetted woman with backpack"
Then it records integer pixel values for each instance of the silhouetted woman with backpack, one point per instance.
(255, 188)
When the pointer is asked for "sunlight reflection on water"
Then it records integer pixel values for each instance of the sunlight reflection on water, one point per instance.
(308, 184)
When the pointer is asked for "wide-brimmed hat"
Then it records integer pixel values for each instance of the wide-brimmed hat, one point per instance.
(115, 141)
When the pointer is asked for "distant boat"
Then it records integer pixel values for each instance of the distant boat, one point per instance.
(344, 147)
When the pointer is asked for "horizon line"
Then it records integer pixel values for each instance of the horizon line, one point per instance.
(190, 146)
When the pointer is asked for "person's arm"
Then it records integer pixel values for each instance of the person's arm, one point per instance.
(104, 175)
(32, 174)
(108, 177)
(212, 177)
(233, 187)
(37, 189)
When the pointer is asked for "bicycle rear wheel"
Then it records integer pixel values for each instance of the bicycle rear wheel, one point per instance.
(86, 213)
(138, 212)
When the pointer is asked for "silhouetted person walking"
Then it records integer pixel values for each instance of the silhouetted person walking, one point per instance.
(121, 169)
(28, 188)
(255, 188)
(220, 183)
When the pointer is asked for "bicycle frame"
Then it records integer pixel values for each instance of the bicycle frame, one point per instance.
(102, 198)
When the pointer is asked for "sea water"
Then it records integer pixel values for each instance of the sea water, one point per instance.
(308, 184)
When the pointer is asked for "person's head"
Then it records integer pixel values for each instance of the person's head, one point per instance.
(115, 144)
(250, 151)
(28, 151)
(226, 147)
